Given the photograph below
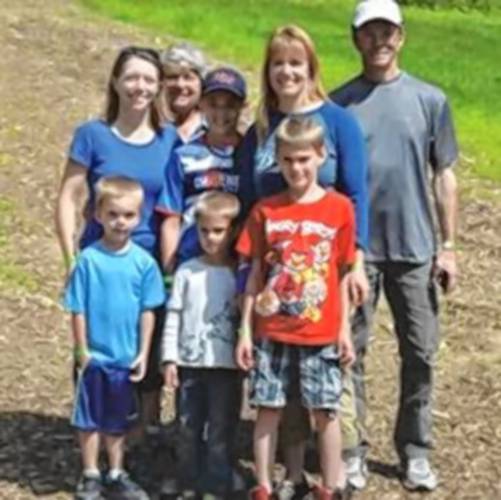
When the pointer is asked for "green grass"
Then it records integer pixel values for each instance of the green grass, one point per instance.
(449, 47)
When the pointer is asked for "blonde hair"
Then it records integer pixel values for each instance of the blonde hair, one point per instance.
(283, 36)
(116, 186)
(300, 131)
(217, 203)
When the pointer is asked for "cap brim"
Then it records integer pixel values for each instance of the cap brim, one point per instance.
(231, 90)
(367, 19)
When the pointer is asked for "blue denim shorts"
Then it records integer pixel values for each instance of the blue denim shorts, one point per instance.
(279, 368)
(105, 399)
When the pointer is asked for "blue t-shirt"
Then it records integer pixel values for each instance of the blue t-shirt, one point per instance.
(103, 153)
(344, 169)
(112, 289)
(194, 169)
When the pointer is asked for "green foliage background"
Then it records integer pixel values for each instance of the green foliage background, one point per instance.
(483, 5)
(450, 47)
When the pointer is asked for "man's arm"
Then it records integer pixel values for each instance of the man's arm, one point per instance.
(446, 201)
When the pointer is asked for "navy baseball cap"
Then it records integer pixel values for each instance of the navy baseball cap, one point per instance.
(225, 78)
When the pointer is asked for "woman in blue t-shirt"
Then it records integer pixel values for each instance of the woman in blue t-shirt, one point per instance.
(129, 141)
(291, 86)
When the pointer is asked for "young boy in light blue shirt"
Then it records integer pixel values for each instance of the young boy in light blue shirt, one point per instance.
(111, 294)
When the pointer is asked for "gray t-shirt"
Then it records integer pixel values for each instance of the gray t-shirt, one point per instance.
(202, 317)
(408, 128)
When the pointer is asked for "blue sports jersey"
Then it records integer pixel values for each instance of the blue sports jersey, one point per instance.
(103, 153)
(344, 169)
(194, 169)
(112, 289)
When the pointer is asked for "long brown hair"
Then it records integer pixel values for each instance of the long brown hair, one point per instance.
(113, 101)
(284, 35)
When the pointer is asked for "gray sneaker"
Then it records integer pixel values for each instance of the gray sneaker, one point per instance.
(356, 472)
(123, 488)
(419, 476)
(89, 488)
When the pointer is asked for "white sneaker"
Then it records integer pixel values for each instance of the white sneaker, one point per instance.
(356, 472)
(419, 476)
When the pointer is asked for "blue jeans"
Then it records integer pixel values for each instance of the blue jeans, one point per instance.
(207, 397)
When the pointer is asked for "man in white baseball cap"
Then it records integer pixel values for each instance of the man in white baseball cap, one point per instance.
(410, 137)
(370, 10)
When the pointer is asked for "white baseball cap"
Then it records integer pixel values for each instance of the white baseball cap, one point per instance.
(370, 10)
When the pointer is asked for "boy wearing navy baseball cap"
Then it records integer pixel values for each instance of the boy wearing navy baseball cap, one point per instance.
(204, 164)
(223, 95)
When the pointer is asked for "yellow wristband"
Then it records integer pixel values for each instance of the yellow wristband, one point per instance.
(244, 332)
(357, 265)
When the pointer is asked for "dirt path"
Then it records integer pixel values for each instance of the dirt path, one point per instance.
(53, 71)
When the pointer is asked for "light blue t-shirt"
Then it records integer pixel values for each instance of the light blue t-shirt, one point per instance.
(194, 169)
(103, 153)
(112, 289)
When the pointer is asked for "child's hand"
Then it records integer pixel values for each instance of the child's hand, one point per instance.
(138, 368)
(83, 361)
(81, 357)
(243, 353)
(346, 351)
(171, 379)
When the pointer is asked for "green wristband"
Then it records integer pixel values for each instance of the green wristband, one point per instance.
(79, 352)
(168, 280)
(70, 261)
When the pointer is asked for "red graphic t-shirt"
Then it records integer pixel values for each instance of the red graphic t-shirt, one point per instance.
(301, 246)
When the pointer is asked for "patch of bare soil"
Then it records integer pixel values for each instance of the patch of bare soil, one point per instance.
(53, 71)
